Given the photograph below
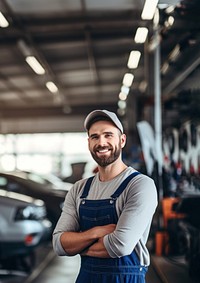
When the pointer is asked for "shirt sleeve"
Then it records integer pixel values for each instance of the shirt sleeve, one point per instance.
(135, 219)
(68, 221)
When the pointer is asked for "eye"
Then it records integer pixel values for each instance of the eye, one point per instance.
(94, 137)
(109, 135)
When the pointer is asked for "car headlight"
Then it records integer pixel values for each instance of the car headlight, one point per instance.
(30, 213)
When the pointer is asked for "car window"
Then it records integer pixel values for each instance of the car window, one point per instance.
(13, 187)
(36, 178)
(9, 185)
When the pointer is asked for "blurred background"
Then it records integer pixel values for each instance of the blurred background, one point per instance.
(61, 59)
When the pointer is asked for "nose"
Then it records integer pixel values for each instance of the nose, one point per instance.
(102, 141)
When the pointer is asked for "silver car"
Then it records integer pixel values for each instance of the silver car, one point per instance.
(23, 227)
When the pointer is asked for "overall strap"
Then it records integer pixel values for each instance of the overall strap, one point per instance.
(87, 187)
(123, 185)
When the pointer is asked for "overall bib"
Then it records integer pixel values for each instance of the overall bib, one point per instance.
(126, 269)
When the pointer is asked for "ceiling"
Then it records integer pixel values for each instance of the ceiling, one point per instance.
(84, 46)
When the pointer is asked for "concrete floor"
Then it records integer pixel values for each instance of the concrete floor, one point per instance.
(51, 268)
(65, 269)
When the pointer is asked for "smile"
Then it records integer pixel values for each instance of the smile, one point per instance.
(103, 150)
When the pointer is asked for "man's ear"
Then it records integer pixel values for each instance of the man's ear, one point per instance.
(123, 140)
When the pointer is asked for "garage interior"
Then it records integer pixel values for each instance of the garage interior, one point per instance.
(84, 48)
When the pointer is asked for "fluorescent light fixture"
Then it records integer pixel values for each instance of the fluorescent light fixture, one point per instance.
(149, 9)
(125, 89)
(3, 22)
(122, 104)
(141, 35)
(121, 112)
(133, 60)
(165, 68)
(28, 52)
(174, 54)
(170, 9)
(35, 65)
(51, 87)
(122, 96)
(128, 79)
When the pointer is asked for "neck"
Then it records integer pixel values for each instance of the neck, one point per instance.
(111, 171)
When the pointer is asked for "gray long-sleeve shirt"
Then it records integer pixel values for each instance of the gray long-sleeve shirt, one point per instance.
(135, 208)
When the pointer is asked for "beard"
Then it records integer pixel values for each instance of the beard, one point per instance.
(105, 160)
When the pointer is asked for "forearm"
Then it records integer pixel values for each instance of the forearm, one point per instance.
(76, 242)
(96, 250)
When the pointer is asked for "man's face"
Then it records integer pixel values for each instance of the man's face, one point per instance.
(105, 142)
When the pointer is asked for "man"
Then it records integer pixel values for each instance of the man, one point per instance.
(106, 218)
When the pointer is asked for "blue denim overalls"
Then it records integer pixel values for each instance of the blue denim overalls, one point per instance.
(126, 269)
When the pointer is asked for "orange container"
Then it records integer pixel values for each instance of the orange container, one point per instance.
(162, 243)
(160, 238)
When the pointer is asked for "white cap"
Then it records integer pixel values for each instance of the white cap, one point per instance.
(102, 113)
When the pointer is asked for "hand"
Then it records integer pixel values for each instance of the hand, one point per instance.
(101, 231)
(96, 250)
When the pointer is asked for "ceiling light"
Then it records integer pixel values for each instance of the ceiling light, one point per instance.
(121, 112)
(165, 68)
(3, 22)
(174, 54)
(134, 59)
(51, 87)
(28, 52)
(35, 65)
(122, 96)
(122, 104)
(170, 9)
(128, 79)
(125, 89)
(149, 9)
(141, 35)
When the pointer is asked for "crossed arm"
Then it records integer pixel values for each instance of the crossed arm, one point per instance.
(88, 243)
(109, 240)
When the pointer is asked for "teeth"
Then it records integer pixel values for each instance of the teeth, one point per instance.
(103, 150)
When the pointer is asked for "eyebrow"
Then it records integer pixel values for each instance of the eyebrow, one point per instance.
(104, 133)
